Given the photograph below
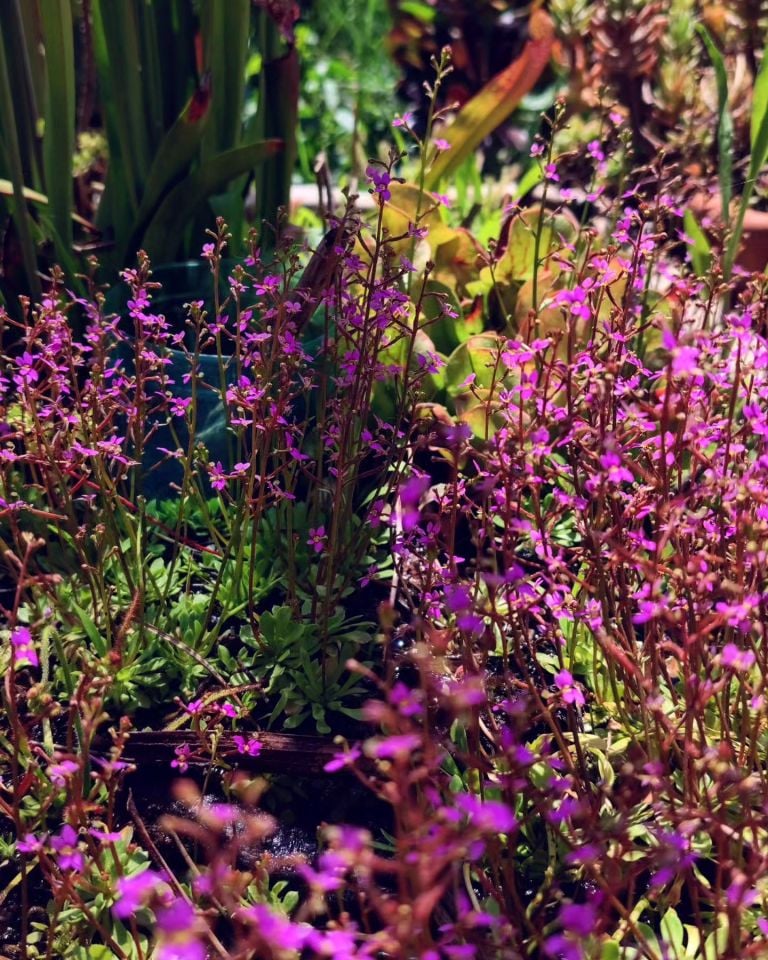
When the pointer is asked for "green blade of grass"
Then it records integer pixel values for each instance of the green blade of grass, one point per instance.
(152, 72)
(11, 161)
(20, 68)
(495, 102)
(758, 154)
(724, 123)
(758, 127)
(225, 31)
(699, 248)
(59, 139)
(174, 155)
(116, 52)
(163, 233)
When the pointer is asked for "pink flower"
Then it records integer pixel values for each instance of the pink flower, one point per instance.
(567, 686)
(736, 659)
(217, 475)
(399, 745)
(134, 891)
(181, 763)
(29, 844)
(488, 816)
(24, 653)
(276, 930)
(68, 856)
(250, 747)
(342, 760)
(60, 773)
(317, 538)
(441, 144)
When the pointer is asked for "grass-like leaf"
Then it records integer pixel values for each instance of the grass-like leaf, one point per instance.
(164, 231)
(724, 122)
(59, 139)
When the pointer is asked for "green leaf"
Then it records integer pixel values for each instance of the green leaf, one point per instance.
(225, 30)
(724, 122)
(91, 630)
(96, 951)
(478, 357)
(59, 138)
(418, 9)
(672, 931)
(530, 179)
(716, 943)
(699, 248)
(174, 155)
(119, 70)
(758, 126)
(651, 941)
(495, 102)
(162, 236)
(694, 940)
(10, 158)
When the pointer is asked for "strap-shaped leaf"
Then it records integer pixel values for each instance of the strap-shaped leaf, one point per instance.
(164, 231)
(225, 29)
(496, 101)
(59, 139)
(758, 155)
(10, 160)
(724, 122)
(758, 128)
(174, 155)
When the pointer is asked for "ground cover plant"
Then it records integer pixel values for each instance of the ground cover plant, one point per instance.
(480, 510)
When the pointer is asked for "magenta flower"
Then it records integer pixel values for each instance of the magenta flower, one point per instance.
(404, 121)
(178, 916)
(567, 686)
(183, 753)
(250, 746)
(616, 473)
(217, 475)
(317, 538)
(67, 854)
(134, 891)
(398, 745)
(106, 836)
(563, 948)
(342, 760)
(487, 816)
(60, 773)
(187, 949)
(29, 844)
(24, 653)
(736, 659)
(380, 180)
(578, 918)
(275, 929)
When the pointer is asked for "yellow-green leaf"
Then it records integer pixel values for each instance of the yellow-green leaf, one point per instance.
(496, 101)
